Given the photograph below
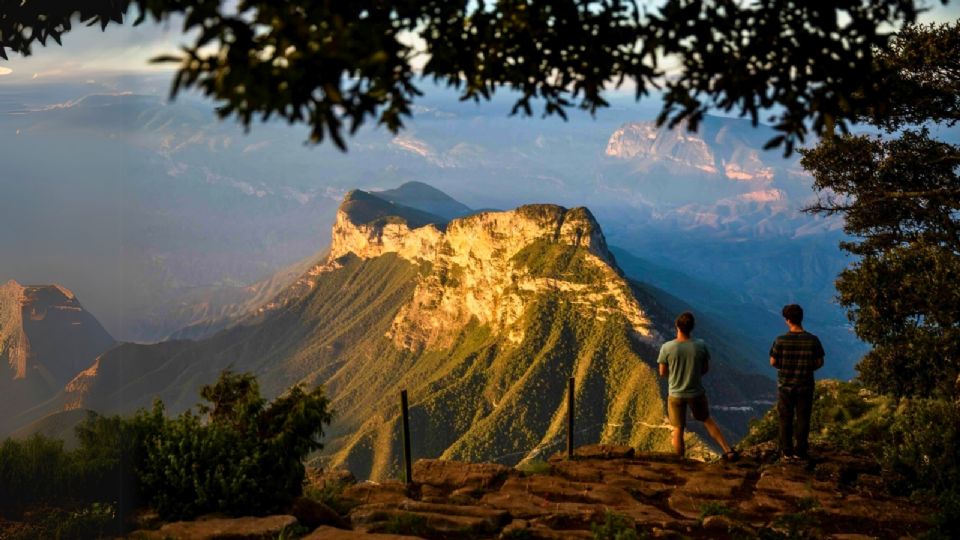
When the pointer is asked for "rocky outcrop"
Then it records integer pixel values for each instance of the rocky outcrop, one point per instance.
(14, 345)
(834, 497)
(215, 528)
(474, 271)
(46, 338)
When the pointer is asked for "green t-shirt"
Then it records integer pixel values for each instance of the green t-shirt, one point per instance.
(685, 360)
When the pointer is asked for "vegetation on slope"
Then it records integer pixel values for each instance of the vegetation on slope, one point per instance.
(488, 398)
(543, 258)
(914, 441)
(239, 455)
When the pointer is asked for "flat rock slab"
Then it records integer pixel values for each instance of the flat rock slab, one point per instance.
(331, 533)
(454, 475)
(716, 483)
(661, 493)
(374, 493)
(242, 528)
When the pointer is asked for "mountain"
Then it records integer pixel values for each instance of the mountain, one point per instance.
(426, 198)
(481, 318)
(210, 310)
(46, 338)
(190, 211)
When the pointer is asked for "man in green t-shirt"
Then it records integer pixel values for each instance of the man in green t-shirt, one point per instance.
(685, 360)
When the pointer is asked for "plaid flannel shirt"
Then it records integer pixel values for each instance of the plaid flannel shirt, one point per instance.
(795, 355)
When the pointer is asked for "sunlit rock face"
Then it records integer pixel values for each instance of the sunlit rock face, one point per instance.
(45, 332)
(719, 153)
(476, 271)
(46, 338)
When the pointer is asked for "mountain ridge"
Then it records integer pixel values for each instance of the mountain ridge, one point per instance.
(481, 318)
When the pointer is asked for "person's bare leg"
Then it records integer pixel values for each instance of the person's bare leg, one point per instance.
(714, 430)
(678, 445)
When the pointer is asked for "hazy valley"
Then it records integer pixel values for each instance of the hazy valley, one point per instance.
(214, 222)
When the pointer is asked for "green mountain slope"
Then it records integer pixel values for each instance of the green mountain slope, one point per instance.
(482, 322)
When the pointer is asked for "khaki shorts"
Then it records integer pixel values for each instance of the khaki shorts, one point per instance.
(677, 409)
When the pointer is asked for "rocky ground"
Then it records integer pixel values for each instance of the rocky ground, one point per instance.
(603, 492)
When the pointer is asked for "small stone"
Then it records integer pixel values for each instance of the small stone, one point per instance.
(718, 523)
(513, 527)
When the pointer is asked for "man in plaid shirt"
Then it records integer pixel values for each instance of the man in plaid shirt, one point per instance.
(796, 355)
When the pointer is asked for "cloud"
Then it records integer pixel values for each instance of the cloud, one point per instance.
(5, 71)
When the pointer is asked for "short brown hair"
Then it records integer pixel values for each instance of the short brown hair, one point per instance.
(685, 322)
(793, 313)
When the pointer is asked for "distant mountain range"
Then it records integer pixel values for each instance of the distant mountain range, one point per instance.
(171, 224)
(481, 318)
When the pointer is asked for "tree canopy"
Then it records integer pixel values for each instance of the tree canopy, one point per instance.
(900, 199)
(337, 65)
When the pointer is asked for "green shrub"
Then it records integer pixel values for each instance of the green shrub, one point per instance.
(239, 455)
(715, 508)
(946, 521)
(921, 449)
(845, 416)
(407, 523)
(537, 466)
(246, 458)
(93, 521)
(36, 471)
(615, 527)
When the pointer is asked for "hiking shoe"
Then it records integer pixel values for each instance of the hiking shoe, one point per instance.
(789, 459)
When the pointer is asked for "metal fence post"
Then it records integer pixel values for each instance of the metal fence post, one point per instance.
(408, 469)
(570, 411)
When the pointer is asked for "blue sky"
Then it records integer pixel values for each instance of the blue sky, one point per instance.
(89, 53)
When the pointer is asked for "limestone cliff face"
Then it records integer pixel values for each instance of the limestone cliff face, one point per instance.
(477, 268)
(46, 338)
(14, 345)
(46, 332)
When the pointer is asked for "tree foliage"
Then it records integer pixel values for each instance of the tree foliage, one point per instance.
(900, 199)
(239, 456)
(337, 65)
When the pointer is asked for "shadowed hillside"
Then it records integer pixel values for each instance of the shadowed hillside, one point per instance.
(482, 319)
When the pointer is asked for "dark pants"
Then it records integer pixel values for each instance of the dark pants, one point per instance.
(799, 402)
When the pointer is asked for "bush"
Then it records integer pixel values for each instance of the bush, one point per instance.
(33, 472)
(845, 416)
(921, 449)
(615, 527)
(239, 456)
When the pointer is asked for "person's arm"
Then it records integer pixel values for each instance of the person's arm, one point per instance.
(775, 354)
(706, 361)
(773, 362)
(662, 360)
(818, 361)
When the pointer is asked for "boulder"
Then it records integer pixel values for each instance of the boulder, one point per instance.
(331, 533)
(376, 492)
(320, 478)
(454, 475)
(312, 514)
(242, 528)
